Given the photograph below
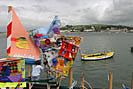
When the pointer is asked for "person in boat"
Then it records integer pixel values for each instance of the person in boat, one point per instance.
(36, 70)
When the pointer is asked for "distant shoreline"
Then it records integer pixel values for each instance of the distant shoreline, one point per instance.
(2, 32)
(96, 32)
(83, 32)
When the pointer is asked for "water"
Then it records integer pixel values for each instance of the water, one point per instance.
(96, 72)
(3, 45)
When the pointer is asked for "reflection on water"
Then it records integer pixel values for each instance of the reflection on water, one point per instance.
(96, 71)
(99, 62)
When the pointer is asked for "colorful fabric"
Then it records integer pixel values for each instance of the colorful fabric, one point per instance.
(59, 51)
(68, 50)
(15, 78)
(47, 42)
(52, 27)
(12, 71)
(17, 30)
(12, 84)
(22, 43)
(13, 67)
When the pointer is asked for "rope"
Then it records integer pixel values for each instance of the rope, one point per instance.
(88, 84)
(73, 84)
(123, 85)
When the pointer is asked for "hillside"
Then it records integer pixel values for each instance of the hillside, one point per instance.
(95, 27)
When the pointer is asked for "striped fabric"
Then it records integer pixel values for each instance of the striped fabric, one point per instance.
(9, 27)
(16, 30)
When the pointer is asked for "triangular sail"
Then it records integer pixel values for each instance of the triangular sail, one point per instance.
(54, 24)
(19, 44)
(52, 27)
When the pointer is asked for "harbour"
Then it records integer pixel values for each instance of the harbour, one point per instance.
(97, 71)
(95, 56)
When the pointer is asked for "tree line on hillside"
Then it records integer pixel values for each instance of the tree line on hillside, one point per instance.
(96, 27)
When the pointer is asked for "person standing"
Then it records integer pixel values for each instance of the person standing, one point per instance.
(36, 70)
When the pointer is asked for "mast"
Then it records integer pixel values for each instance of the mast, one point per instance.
(9, 27)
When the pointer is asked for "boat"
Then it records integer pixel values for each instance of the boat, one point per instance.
(132, 49)
(97, 56)
(40, 46)
(20, 46)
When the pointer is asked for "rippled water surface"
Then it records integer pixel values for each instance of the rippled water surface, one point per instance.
(96, 72)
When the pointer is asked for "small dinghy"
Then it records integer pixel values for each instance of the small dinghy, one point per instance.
(97, 56)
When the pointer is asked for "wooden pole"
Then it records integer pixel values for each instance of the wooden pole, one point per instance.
(132, 82)
(48, 86)
(70, 77)
(58, 87)
(9, 8)
(58, 82)
(29, 75)
(110, 80)
(83, 80)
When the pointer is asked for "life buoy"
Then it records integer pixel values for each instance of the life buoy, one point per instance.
(47, 42)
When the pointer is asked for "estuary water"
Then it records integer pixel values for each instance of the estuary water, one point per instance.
(96, 72)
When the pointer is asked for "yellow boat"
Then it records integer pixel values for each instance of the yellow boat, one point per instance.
(97, 56)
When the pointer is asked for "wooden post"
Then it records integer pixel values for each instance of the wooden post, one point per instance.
(58, 87)
(110, 80)
(70, 77)
(83, 80)
(132, 82)
(29, 75)
(58, 83)
(9, 8)
(48, 87)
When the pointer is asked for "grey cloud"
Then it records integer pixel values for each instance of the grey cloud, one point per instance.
(19, 8)
(70, 2)
(122, 13)
(3, 8)
(119, 12)
(39, 8)
(39, 13)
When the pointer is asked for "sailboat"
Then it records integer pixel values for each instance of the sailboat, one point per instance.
(53, 27)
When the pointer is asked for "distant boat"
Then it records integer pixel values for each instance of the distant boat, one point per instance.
(97, 56)
(131, 49)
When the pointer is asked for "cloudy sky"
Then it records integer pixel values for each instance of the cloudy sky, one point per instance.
(39, 13)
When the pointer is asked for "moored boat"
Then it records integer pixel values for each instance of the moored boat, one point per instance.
(97, 56)
(131, 49)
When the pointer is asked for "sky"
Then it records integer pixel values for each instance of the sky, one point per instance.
(39, 13)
